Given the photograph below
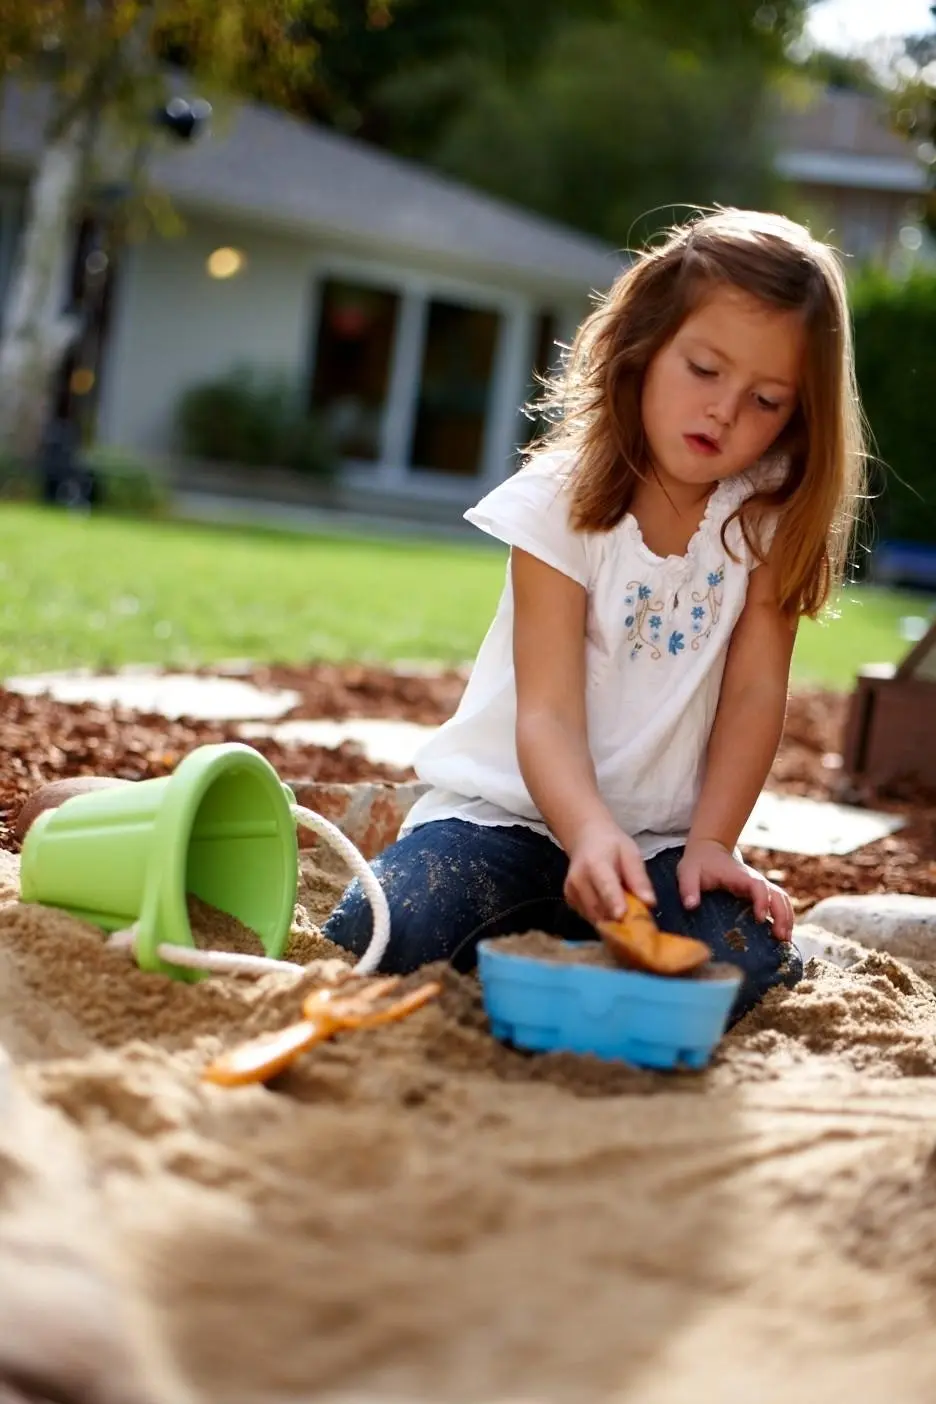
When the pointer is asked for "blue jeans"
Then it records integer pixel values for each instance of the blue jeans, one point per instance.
(451, 884)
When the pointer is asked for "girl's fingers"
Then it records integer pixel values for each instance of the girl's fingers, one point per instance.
(596, 894)
(635, 877)
(762, 905)
(690, 887)
(747, 883)
(596, 904)
(781, 910)
(576, 897)
(612, 903)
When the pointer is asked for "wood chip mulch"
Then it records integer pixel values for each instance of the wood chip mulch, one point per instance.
(42, 740)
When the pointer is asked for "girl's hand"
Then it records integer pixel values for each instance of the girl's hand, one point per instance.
(707, 865)
(602, 863)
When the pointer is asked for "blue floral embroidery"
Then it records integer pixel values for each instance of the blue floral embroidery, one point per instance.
(646, 612)
(646, 620)
(710, 599)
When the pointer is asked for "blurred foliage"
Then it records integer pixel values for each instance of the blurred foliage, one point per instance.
(251, 416)
(851, 72)
(127, 483)
(895, 340)
(108, 59)
(124, 483)
(914, 105)
(608, 130)
(594, 112)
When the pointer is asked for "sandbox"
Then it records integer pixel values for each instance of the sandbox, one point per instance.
(419, 1213)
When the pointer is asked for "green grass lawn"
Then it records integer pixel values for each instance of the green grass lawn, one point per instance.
(101, 591)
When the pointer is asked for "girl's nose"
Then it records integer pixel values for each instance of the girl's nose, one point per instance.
(724, 410)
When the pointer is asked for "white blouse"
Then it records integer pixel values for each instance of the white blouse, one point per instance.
(657, 633)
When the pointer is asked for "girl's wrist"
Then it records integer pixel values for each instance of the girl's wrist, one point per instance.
(693, 839)
(576, 830)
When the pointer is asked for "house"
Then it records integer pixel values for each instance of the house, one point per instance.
(410, 310)
(857, 179)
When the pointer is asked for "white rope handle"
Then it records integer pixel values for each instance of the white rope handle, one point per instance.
(218, 962)
(380, 932)
(228, 962)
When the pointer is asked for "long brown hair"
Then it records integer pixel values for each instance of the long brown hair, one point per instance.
(593, 405)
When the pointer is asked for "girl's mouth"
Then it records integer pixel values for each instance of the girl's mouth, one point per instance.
(701, 443)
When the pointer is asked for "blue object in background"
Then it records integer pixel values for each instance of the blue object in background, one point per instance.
(652, 1021)
(905, 563)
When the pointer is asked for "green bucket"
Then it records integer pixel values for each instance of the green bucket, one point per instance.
(219, 827)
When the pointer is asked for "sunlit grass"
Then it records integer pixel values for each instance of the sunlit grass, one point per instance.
(100, 591)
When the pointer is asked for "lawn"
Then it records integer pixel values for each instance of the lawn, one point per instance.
(101, 591)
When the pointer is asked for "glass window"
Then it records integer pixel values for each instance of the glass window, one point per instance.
(458, 359)
(354, 346)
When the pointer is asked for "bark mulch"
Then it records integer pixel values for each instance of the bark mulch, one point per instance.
(42, 740)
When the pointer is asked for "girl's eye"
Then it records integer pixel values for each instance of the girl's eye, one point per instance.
(770, 405)
(701, 370)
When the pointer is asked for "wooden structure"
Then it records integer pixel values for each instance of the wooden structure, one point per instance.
(890, 733)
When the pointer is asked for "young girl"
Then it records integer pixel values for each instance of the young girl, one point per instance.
(691, 502)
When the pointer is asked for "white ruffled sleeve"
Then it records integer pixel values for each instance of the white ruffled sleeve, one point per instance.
(531, 511)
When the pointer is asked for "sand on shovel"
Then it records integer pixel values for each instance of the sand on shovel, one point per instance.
(418, 1213)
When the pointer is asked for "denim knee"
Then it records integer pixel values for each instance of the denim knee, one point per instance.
(764, 961)
(351, 924)
(448, 884)
(727, 925)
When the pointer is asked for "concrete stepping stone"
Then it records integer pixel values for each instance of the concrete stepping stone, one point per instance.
(171, 695)
(811, 940)
(382, 740)
(897, 922)
(793, 824)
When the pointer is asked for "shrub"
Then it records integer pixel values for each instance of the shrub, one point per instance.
(251, 417)
(895, 344)
(122, 482)
(125, 483)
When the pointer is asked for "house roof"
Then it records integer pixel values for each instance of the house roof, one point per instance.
(844, 138)
(265, 165)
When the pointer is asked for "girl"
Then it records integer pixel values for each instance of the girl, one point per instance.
(692, 500)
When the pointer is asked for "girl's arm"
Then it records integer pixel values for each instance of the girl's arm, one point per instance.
(743, 744)
(552, 739)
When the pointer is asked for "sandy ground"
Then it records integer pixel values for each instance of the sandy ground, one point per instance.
(418, 1214)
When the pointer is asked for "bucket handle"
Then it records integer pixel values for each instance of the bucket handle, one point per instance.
(226, 962)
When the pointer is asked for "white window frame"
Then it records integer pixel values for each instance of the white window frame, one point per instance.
(513, 356)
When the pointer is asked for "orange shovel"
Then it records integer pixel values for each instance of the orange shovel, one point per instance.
(636, 942)
(324, 1013)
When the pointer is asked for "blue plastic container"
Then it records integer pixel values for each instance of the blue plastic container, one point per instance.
(652, 1021)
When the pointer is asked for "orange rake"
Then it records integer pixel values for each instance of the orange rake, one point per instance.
(324, 1014)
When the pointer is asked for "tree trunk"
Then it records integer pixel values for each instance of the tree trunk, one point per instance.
(36, 331)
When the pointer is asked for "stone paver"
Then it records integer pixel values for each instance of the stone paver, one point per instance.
(384, 741)
(171, 695)
(811, 940)
(903, 924)
(791, 824)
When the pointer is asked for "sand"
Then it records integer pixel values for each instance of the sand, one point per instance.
(417, 1214)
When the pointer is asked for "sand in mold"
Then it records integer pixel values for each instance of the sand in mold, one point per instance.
(416, 1213)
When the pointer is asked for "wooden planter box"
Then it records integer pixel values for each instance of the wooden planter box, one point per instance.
(890, 732)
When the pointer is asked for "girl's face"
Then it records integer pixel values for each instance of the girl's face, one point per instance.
(716, 396)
